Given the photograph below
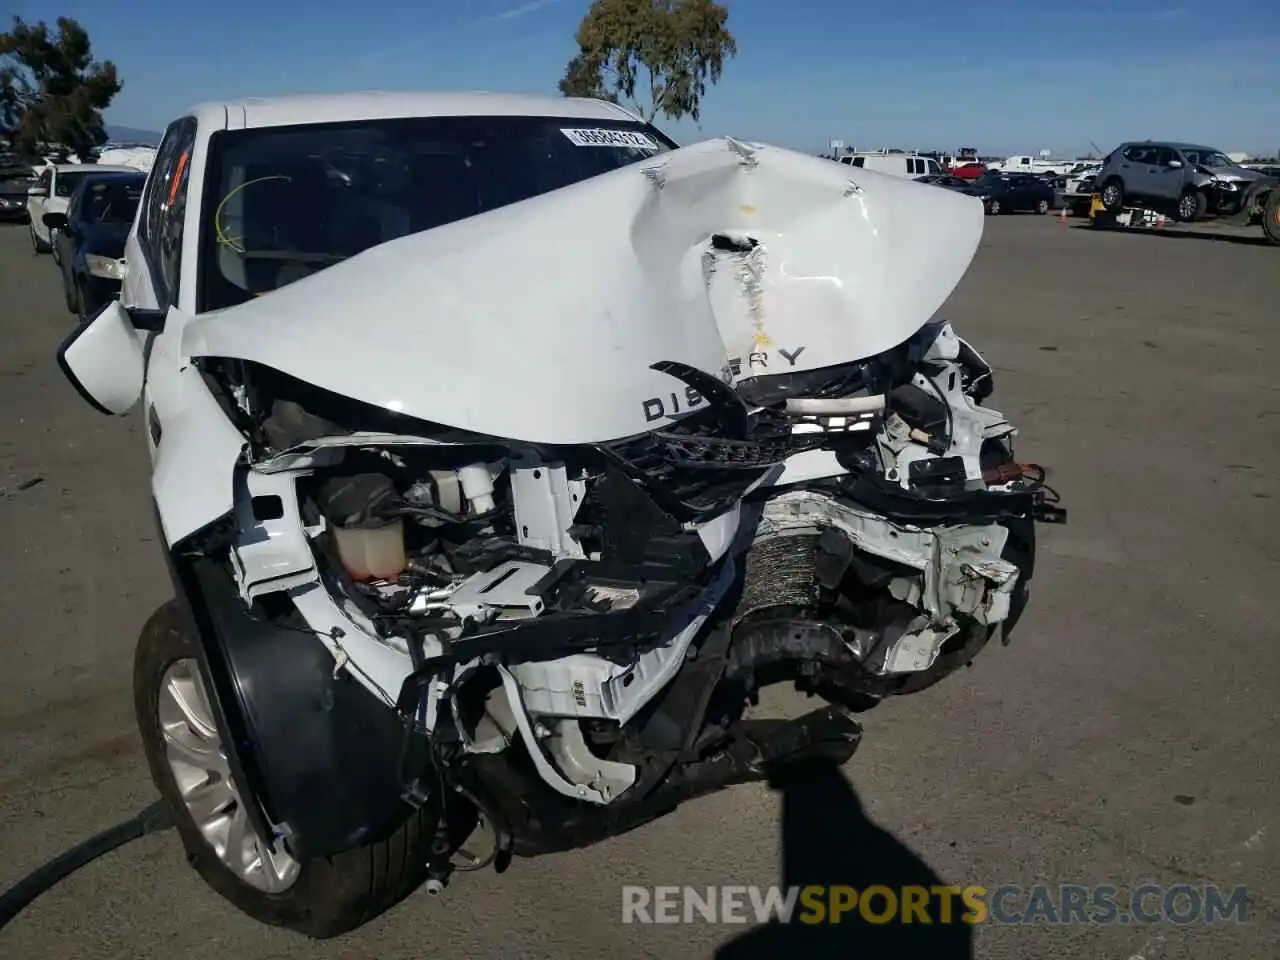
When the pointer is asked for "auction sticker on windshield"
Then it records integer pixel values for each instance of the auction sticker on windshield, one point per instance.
(608, 138)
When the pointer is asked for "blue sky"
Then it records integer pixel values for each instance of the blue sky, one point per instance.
(1003, 77)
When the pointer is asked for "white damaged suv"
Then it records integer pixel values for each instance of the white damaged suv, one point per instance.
(502, 449)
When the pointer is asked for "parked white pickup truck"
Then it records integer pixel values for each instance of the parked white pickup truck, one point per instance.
(1026, 164)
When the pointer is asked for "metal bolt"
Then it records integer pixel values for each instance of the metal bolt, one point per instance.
(582, 791)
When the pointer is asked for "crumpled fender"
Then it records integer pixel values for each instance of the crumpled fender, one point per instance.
(197, 452)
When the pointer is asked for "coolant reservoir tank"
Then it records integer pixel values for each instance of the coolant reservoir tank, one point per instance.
(373, 550)
(370, 546)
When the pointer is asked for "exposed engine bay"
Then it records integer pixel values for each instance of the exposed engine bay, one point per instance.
(861, 531)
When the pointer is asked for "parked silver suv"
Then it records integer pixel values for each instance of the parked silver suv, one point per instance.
(1189, 179)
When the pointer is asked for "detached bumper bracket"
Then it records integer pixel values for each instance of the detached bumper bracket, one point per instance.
(1049, 513)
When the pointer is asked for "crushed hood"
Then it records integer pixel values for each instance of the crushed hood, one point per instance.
(539, 321)
(1235, 174)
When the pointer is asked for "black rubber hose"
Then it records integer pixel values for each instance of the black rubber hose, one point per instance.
(150, 819)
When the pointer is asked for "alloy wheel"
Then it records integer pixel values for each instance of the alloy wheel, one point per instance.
(200, 769)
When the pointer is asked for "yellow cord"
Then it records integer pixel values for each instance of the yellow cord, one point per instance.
(222, 238)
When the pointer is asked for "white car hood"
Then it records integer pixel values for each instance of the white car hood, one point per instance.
(539, 321)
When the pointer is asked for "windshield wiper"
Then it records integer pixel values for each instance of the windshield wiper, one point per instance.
(292, 256)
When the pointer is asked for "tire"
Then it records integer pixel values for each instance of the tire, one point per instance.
(1020, 549)
(994, 209)
(1271, 217)
(861, 690)
(1042, 206)
(38, 245)
(1113, 194)
(324, 896)
(87, 309)
(70, 293)
(1191, 206)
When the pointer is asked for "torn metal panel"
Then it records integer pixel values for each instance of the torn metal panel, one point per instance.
(961, 570)
(271, 552)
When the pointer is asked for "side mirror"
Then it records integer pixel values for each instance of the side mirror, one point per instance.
(103, 359)
(55, 221)
(1175, 164)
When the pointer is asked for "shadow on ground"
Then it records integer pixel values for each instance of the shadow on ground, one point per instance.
(827, 840)
(1180, 233)
(1257, 240)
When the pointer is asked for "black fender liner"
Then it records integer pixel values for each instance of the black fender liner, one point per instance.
(319, 753)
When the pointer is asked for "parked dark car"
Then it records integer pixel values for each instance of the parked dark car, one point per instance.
(16, 178)
(943, 180)
(91, 237)
(1011, 192)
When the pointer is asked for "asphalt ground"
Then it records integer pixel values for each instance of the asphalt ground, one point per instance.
(1127, 735)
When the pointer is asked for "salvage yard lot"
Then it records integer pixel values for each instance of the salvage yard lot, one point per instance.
(1127, 735)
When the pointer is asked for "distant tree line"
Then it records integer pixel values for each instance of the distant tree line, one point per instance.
(52, 91)
(655, 56)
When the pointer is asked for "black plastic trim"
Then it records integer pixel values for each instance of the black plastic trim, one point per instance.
(319, 753)
(214, 670)
(150, 320)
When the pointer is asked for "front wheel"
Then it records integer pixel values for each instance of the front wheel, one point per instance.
(70, 292)
(38, 245)
(1113, 194)
(1042, 206)
(320, 897)
(1271, 217)
(1192, 206)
